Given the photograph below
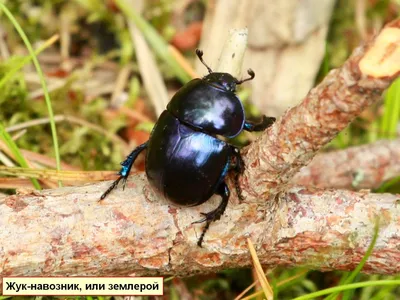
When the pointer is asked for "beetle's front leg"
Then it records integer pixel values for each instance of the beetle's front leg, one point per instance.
(264, 124)
(126, 169)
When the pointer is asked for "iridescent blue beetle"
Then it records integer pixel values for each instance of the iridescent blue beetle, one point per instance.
(185, 160)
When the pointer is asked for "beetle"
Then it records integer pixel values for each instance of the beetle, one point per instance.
(185, 159)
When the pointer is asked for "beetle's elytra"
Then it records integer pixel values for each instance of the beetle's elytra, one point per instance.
(185, 160)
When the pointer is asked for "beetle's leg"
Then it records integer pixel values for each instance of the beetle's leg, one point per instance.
(216, 214)
(126, 169)
(128, 162)
(238, 167)
(264, 124)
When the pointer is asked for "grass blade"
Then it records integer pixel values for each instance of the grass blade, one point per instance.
(27, 59)
(16, 152)
(391, 115)
(347, 287)
(260, 273)
(357, 270)
(42, 81)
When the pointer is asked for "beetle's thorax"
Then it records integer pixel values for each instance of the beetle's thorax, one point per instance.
(224, 81)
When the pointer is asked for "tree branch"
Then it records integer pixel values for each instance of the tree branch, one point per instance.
(291, 143)
(360, 167)
(66, 231)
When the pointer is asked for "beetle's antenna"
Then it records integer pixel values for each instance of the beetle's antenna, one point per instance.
(252, 75)
(199, 54)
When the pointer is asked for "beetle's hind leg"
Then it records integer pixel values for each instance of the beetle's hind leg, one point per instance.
(264, 124)
(125, 170)
(216, 214)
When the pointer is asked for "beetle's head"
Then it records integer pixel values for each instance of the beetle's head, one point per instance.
(223, 81)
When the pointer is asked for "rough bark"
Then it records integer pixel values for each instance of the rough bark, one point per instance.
(67, 232)
(360, 167)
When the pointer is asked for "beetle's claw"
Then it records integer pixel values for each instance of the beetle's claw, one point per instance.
(124, 179)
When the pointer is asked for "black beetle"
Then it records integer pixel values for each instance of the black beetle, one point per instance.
(185, 160)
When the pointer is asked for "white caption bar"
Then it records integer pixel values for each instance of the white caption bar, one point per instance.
(81, 286)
